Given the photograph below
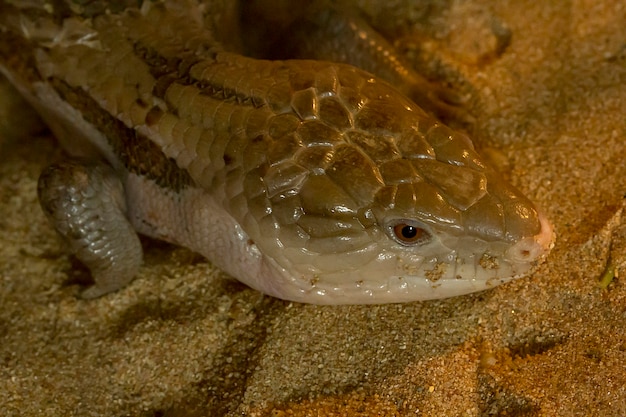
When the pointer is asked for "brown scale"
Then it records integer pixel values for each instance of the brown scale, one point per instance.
(138, 154)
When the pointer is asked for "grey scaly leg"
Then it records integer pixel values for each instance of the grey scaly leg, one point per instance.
(87, 207)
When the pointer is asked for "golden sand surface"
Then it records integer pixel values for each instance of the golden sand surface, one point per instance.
(547, 82)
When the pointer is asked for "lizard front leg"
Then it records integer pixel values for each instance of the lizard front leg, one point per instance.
(86, 204)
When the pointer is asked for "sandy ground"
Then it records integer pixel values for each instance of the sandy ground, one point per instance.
(548, 88)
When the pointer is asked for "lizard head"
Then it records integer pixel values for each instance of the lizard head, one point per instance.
(382, 203)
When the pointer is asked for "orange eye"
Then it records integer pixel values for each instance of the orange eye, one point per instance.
(410, 234)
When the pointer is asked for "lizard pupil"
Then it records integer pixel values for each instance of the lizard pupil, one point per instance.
(409, 232)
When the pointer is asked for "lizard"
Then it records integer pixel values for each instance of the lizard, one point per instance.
(308, 180)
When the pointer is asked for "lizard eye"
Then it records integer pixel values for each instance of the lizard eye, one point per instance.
(409, 232)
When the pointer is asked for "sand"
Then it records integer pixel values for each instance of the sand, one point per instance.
(547, 86)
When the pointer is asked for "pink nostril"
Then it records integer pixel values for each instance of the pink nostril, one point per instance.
(526, 250)
(532, 248)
